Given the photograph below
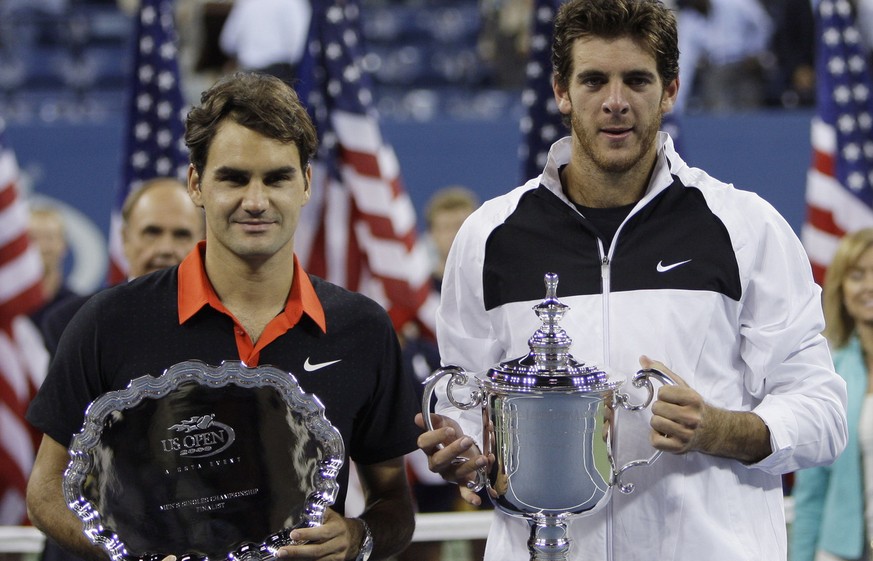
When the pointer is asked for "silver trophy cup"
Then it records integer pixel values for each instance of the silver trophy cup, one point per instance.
(545, 421)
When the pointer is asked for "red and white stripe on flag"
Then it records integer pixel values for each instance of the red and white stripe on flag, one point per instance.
(20, 266)
(23, 364)
(832, 210)
(359, 230)
(23, 358)
(839, 190)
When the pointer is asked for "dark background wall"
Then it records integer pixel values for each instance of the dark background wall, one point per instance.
(78, 164)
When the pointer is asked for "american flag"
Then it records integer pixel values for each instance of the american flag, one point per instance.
(154, 144)
(359, 228)
(542, 125)
(839, 189)
(23, 359)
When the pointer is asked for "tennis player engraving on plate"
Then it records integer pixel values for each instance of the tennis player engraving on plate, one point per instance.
(203, 461)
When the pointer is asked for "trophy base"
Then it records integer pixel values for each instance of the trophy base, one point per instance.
(548, 539)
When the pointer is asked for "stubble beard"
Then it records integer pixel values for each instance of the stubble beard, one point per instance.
(603, 160)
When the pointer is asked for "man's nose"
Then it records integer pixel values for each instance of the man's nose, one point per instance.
(255, 198)
(165, 244)
(616, 100)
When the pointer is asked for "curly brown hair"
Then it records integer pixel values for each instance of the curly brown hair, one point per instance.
(648, 22)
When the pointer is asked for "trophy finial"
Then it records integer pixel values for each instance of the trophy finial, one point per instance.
(550, 344)
(551, 310)
(551, 281)
(549, 363)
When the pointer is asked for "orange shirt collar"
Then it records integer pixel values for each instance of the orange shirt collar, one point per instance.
(195, 291)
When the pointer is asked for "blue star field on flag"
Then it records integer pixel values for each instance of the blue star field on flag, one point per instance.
(542, 125)
(844, 96)
(154, 144)
(337, 72)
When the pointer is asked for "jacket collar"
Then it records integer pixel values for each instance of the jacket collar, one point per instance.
(667, 163)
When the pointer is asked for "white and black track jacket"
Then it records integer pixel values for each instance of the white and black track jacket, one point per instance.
(704, 277)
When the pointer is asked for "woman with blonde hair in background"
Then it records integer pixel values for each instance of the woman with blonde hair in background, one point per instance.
(830, 522)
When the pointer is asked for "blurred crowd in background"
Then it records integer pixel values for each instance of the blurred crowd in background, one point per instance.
(457, 58)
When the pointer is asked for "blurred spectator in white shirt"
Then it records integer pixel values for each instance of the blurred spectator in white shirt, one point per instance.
(720, 42)
(267, 35)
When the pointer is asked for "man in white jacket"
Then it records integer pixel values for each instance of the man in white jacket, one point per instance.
(655, 259)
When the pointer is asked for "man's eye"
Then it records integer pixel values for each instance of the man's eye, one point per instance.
(233, 179)
(278, 180)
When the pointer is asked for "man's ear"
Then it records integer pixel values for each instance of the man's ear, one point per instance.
(562, 96)
(307, 183)
(194, 186)
(671, 92)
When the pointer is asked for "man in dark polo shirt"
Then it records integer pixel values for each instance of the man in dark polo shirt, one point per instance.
(242, 295)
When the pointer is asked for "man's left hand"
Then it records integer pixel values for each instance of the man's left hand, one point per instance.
(332, 541)
(678, 415)
(683, 422)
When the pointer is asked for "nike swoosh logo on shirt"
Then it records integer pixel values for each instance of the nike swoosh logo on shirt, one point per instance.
(664, 268)
(309, 367)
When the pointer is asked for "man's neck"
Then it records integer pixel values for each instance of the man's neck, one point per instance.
(254, 293)
(586, 185)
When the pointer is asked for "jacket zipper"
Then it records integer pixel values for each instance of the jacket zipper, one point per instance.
(604, 281)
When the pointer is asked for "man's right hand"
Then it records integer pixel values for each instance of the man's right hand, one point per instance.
(445, 446)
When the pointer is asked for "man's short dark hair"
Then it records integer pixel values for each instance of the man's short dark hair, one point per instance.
(260, 102)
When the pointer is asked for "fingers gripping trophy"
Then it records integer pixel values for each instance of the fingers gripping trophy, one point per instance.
(546, 424)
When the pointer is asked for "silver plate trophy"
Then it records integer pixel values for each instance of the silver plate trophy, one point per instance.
(203, 462)
(544, 420)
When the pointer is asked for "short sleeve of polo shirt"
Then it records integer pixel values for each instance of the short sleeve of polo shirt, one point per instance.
(386, 428)
(73, 382)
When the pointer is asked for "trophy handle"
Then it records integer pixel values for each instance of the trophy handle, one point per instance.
(477, 396)
(641, 378)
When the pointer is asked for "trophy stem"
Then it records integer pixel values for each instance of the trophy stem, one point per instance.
(548, 539)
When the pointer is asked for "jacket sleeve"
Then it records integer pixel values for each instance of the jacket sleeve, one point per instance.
(463, 326)
(787, 364)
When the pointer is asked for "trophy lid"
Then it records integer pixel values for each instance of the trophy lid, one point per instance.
(549, 363)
